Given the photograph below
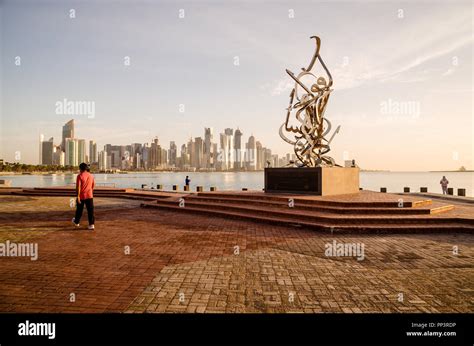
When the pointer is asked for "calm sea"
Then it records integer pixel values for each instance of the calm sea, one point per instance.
(393, 181)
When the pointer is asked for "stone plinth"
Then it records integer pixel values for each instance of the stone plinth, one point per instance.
(320, 181)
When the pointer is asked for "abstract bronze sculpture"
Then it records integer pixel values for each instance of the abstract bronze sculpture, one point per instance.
(310, 144)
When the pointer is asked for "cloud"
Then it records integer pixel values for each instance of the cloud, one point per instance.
(448, 72)
(352, 75)
(433, 54)
(282, 86)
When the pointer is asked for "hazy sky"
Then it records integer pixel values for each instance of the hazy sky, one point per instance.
(381, 54)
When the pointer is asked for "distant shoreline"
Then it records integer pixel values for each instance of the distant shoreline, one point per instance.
(466, 171)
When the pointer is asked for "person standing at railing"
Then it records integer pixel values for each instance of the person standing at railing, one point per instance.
(85, 185)
(444, 185)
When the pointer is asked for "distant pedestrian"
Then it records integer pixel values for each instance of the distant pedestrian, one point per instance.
(187, 180)
(444, 185)
(84, 191)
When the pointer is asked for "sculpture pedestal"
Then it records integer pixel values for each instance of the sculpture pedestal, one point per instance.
(319, 181)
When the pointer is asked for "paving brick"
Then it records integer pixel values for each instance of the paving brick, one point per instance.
(174, 253)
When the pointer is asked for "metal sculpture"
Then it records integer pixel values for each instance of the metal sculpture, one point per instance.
(310, 143)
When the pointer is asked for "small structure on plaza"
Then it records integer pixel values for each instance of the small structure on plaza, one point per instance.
(314, 171)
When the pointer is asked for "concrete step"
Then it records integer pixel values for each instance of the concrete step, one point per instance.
(318, 225)
(302, 205)
(318, 201)
(314, 216)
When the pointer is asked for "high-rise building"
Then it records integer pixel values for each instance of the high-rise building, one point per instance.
(40, 151)
(126, 157)
(103, 161)
(251, 154)
(68, 132)
(184, 158)
(198, 153)
(214, 155)
(275, 160)
(47, 149)
(209, 154)
(173, 154)
(136, 155)
(145, 156)
(81, 150)
(268, 157)
(190, 152)
(226, 155)
(155, 153)
(115, 153)
(71, 152)
(163, 163)
(75, 152)
(238, 155)
(58, 156)
(93, 152)
(260, 151)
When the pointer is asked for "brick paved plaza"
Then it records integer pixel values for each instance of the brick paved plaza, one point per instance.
(181, 262)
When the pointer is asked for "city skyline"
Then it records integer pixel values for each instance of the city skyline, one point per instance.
(225, 152)
(403, 95)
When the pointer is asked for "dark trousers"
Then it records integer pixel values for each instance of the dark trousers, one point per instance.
(90, 210)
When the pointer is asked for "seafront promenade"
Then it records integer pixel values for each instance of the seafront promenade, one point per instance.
(213, 254)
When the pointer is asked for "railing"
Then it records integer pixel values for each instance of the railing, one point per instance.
(423, 189)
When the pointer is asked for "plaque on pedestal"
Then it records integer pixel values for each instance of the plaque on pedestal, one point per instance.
(319, 181)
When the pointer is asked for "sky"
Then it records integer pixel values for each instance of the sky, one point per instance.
(402, 73)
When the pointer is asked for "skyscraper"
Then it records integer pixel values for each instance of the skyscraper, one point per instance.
(47, 149)
(93, 152)
(260, 152)
(173, 153)
(81, 150)
(268, 157)
(68, 132)
(114, 151)
(163, 163)
(58, 156)
(154, 157)
(238, 150)
(226, 156)
(127, 158)
(251, 154)
(103, 163)
(184, 158)
(137, 156)
(190, 152)
(145, 156)
(40, 151)
(209, 154)
(198, 153)
(71, 152)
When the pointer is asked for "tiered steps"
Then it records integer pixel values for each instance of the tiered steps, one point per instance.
(334, 216)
